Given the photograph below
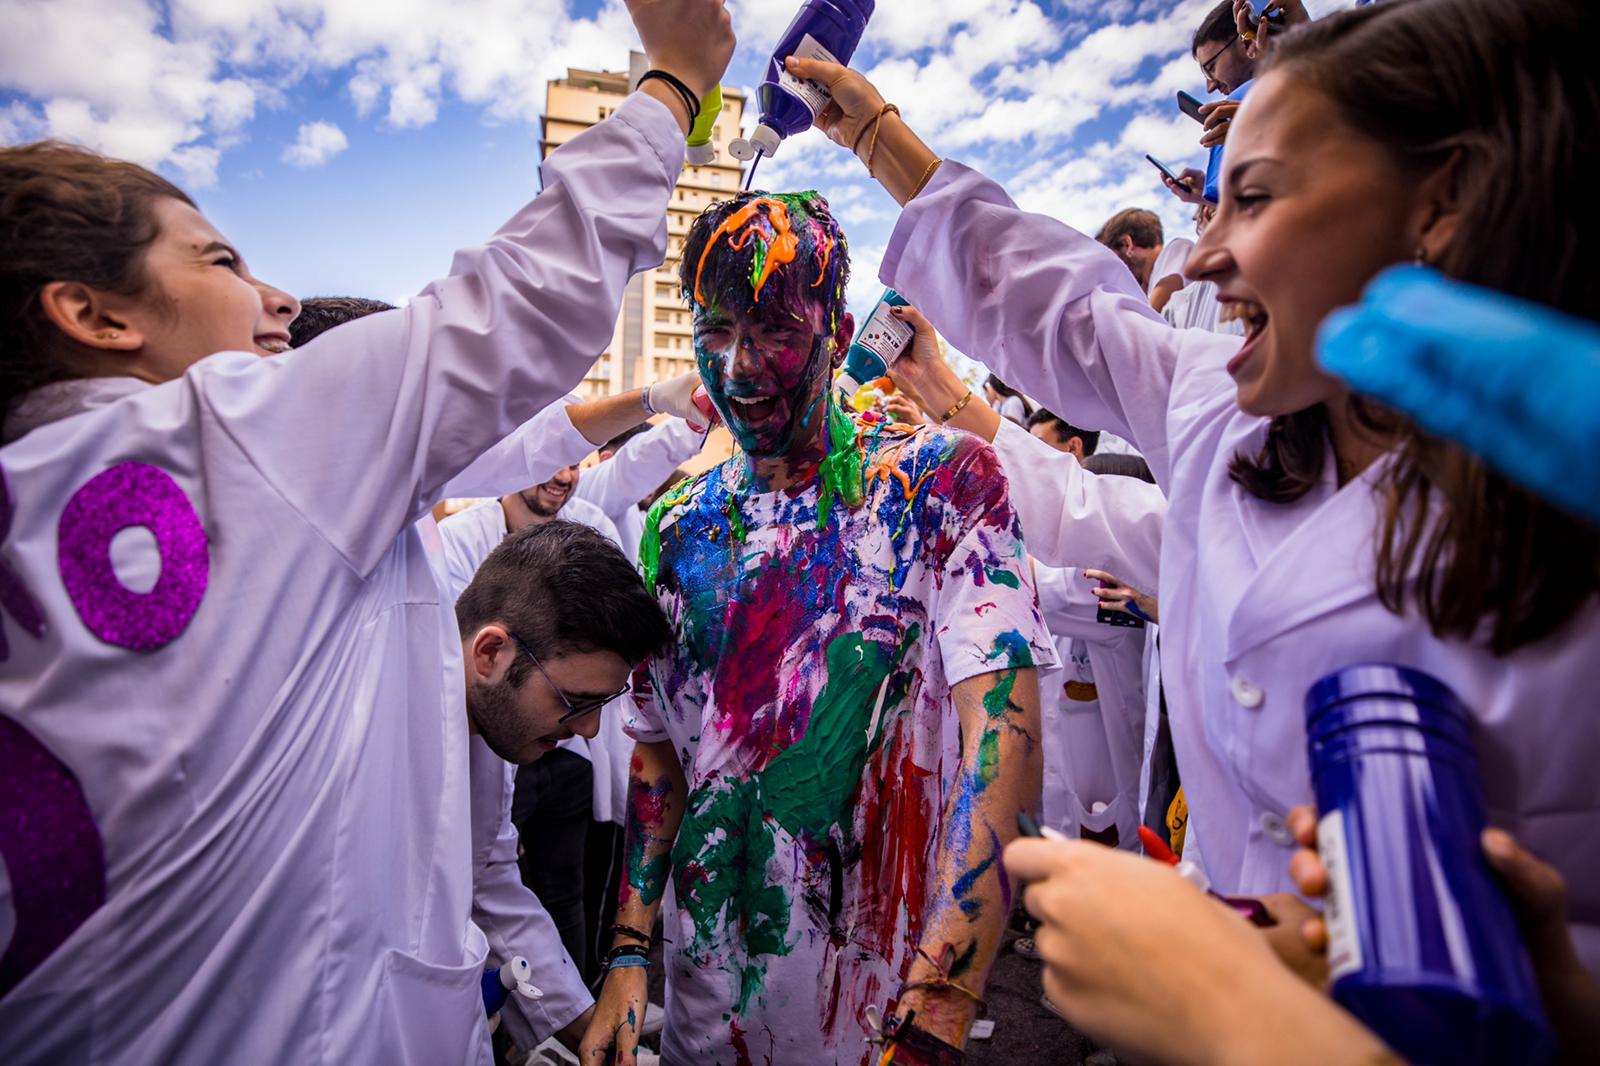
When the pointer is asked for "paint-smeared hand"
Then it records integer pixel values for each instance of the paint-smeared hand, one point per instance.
(1146, 963)
(613, 1034)
(692, 39)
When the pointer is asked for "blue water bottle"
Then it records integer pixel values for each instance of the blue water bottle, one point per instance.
(824, 29)
(1423, 945)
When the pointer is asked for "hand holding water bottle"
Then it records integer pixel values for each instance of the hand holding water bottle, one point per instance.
(1571, 997)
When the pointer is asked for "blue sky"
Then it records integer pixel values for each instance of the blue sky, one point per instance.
(350, 146)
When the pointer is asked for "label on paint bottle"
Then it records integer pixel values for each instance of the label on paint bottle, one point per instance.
(877, 345)
(814, 94)
(1344, 942)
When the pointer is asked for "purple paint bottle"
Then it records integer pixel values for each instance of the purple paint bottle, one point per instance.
(823, 29)
(1423, 945)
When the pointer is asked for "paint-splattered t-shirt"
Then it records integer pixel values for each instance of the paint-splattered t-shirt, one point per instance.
(808, 697)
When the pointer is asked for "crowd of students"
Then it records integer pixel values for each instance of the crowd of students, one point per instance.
(291, 771)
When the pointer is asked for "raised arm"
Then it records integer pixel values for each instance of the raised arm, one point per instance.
(640, 466)
(1069, 516)
(362, 428)
(657, 792)
(1047, 308)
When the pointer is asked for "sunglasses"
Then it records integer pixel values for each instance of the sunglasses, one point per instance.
(574, 710)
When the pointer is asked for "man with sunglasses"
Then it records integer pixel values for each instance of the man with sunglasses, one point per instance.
(552, 624)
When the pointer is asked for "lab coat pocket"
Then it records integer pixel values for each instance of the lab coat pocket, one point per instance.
(432, 1015)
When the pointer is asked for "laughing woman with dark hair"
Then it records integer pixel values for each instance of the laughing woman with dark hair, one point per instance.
(1309, 530)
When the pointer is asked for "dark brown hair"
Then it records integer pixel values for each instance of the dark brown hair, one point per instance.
(564, 588)
(66, 214)
(319, 314)
(1143, 226)
(1218, 26)
(1508, 92)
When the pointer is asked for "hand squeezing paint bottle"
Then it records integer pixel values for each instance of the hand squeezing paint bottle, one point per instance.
(1423, 944)
(824, 29)
(877, 344)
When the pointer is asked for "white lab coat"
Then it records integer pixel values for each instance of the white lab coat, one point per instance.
(510, 915)
(1093, 738)
(280, 789)
(1071, 517)
(637, 469)
(1258, 600)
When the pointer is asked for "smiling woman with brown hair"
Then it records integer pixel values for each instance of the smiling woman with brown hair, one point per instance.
(1308, 531)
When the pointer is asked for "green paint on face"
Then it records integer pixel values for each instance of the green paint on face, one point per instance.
(808, 787)
(997, 701)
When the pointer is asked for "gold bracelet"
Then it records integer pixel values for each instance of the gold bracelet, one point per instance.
(855, 149)
(927, 176)
(877, 123)
(948, 415)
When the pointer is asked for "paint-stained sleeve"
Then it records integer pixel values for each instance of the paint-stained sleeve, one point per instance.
(985, 611)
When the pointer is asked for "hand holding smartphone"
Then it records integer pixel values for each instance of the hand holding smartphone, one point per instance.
(1167, 172)
(1190, 106)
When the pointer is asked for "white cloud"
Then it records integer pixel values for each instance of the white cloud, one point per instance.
(317, 143)
(106, 76)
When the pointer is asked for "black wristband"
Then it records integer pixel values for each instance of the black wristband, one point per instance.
(637, 951)
(690, 100)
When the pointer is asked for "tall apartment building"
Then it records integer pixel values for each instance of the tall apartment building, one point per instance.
(652, 340)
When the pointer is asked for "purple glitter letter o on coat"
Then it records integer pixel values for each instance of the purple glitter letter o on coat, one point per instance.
(133, 494)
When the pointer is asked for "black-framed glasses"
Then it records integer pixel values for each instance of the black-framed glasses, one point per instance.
(574, 710)
(1208, 68)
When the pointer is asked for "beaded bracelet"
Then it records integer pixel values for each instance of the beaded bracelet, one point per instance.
(627, 930)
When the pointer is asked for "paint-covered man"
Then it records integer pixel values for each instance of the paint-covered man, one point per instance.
(837, 746)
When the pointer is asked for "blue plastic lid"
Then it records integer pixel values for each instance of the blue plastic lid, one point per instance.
(1383, 688)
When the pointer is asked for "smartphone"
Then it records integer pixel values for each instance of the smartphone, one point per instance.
(1190, 106)
(1108, 617)
(1167, 172)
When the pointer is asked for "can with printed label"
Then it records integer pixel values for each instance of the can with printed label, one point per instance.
(823, 29)
(1423, 945)
(877, 344)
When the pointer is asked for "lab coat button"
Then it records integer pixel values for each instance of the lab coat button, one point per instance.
(1247, 694)
(1277, 829)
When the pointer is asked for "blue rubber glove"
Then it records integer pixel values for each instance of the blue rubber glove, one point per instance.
(1515, 383)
